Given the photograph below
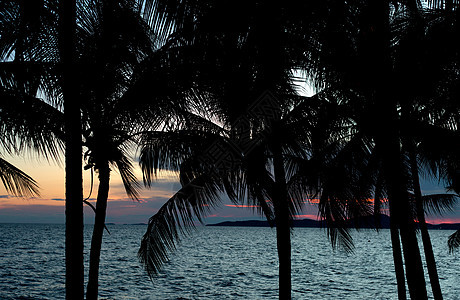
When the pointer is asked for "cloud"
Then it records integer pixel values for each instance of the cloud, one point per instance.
(5, 196)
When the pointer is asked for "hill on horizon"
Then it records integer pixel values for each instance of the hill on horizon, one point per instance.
(364, 222)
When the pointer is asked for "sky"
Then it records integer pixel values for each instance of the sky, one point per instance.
(49, 206)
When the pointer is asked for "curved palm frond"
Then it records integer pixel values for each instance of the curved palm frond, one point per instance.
(438, 204)
(175, 218)
(454, 241)
(30, 123)
(166, 150)
(17, 182)
(130, 183)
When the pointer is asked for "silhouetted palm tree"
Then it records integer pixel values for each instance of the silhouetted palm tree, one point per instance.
(99, 56)
(73, 154)
(210, 163)
(245, 57)
(372, 60)
(269, 66)
(29, 40)
(112, 41)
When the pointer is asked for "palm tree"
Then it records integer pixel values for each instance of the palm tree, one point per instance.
(73, 153)
(238, 87)
(211, 167)
(242, 88)
(85, 51)
(256, 54)
(112, 41)
(29, 50)
(382, 139)
(204, 178)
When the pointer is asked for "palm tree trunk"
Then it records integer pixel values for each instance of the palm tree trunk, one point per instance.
(397, 257)
(98, 230)
(282, 221)
(395, 242)
(399, 200)
(377, 67)
(413, 261)
(427, 246)
(73, 156)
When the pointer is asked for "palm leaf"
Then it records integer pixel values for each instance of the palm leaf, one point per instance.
(17, 182)
(130, 183)
(30, 123)
(175, 218)
(438, 204)
(454, 241)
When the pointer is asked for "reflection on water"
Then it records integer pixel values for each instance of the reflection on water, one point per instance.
(214, 263)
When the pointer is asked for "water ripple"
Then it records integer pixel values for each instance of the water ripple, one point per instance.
(213, 263)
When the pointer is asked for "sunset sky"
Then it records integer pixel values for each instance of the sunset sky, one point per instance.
(49, 207)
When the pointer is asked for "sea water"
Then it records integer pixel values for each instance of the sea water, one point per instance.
(214, 263)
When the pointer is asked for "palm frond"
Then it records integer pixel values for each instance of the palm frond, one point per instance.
(176, 218)
(164, 150)
(17, 182)
(130, 182)
(438, 204)
(30, 123)
(454, 241)
(333, 214)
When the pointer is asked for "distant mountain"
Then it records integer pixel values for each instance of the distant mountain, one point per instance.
(364, 222)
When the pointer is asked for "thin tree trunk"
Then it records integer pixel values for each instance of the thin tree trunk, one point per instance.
(73, 155)
(282, 221)
(395, 242)
(98, 231)
(397, 256)
(427, 246)
(283, 243)
(377, 71)
(399, 200)
(413, 261)
(397, 253)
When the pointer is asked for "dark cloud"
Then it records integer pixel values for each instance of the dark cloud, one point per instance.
(57, 199)
(4, 196)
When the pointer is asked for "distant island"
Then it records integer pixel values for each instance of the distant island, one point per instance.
(365, 222)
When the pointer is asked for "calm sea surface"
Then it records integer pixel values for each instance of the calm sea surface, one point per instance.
(214, 263)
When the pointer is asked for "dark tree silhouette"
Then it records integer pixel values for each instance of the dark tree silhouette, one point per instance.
(73, 153)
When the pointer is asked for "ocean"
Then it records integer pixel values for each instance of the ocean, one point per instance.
(214, 263)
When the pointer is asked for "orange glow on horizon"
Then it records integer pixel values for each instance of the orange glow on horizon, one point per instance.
(313, 217)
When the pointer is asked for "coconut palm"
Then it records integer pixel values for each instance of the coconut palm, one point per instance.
(73, 153)
(100, 96)
(112, 41)
(212, 166)
(257, 53)
(237, 87)
(410, 80)
(29, 44)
